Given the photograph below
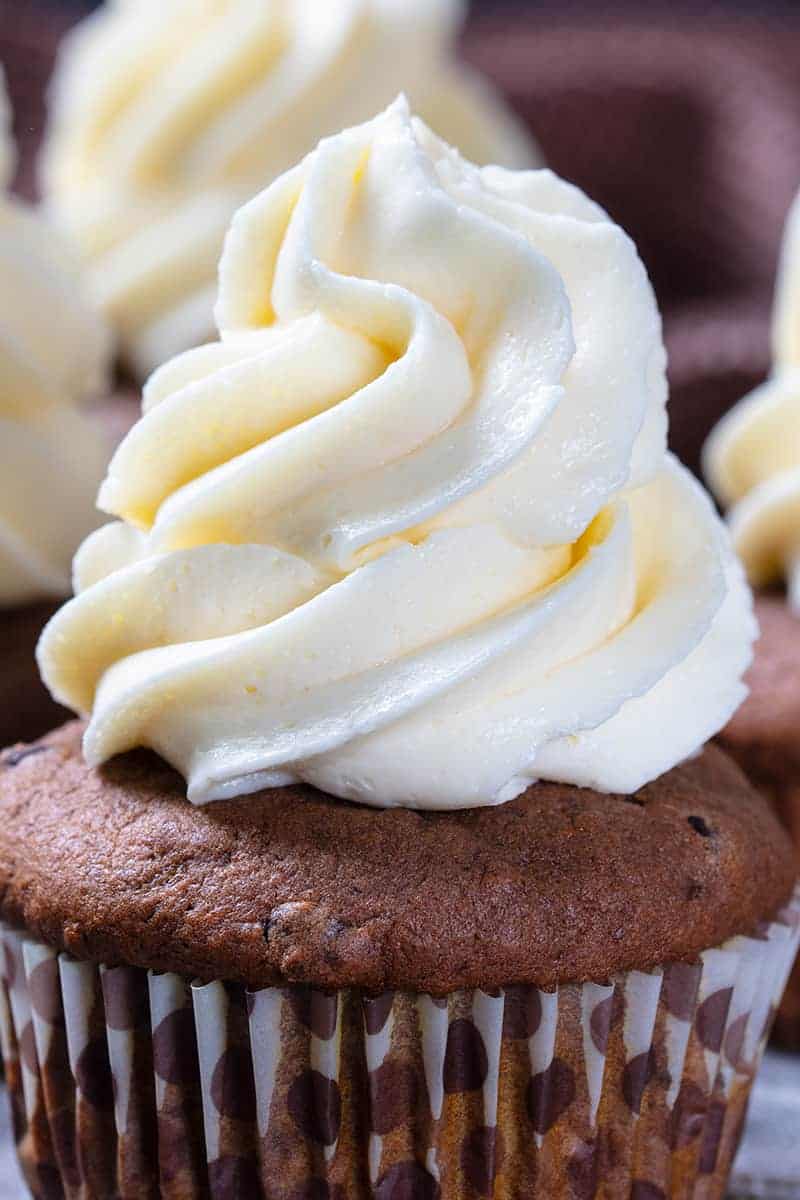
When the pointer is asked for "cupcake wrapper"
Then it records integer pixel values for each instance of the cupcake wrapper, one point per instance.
(127, 1083)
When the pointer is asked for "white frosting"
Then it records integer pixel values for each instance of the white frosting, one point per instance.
(54, 352)
(752, 458)
(409, 531)
(167, 116)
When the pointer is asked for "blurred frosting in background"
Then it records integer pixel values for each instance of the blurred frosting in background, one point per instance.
(55, 352)
(752, 458)
(166, 116)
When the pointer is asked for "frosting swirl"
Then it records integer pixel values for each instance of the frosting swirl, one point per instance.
(166, 117)
(54, 352)
(408, 531)
(752, 458)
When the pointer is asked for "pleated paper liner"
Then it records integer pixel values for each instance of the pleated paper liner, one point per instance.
(131, 1084)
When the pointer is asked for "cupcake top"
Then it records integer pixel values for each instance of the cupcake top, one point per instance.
(408, 531)
(752, 459)
(560, 884)
(165, 117)
(54, 353)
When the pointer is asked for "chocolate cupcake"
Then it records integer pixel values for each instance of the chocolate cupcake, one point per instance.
(54, 356)
(753, 462)
(164, 120)
(409, 1067)
(408, 593)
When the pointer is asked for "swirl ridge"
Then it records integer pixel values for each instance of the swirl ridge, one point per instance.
(408, 531)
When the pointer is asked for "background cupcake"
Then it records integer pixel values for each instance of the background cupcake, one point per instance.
(753, 462)
(54, 357)
(422, 564)
(164, 118)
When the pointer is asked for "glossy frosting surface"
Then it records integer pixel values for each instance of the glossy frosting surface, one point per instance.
(408, 531)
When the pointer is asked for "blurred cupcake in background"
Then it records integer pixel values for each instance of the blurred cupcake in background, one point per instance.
(752, 460)
(55, 351)
(166, 117)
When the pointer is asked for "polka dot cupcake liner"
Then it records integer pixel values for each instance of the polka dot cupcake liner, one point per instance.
(135, 1085)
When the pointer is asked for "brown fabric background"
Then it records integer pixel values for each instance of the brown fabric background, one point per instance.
(685, 127)
(688, 132)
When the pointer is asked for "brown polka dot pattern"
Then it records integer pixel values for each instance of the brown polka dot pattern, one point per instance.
(175, 1048)
(314, 1009)
(97, 1142)
(376, 1011)
(600, 1023)
(522, 1013)
(232, 1089)
(27, 1049)
(125, 1003)
(315, 1107)
(712, 1017)
(681, 981)
(44, 991)
(550, 1094)
(93, 1075)
(635, 1078)
(465, 1061)
(735, 1040)
(143, 1088)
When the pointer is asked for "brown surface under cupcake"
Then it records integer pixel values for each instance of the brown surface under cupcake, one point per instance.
(764, 736)
(558, 885)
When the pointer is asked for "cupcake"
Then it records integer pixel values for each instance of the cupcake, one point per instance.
(54, 355)
(166, 117)
(753, 463)
(388, 858)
